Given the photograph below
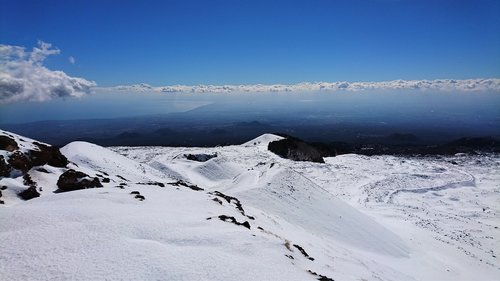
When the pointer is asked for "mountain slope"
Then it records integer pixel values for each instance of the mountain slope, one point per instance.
(242, 212)
(409, 229)
(141, 225)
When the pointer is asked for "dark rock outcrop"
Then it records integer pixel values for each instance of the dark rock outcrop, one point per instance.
(160, 184)
(233, 220)
(185, 184)
(4, 167)
(25, 161)
(48, 155)
(8, 144)
(27, 180)
(200, 157)
(320, 277)
(75, 180)
(303, 252)
(20, 161)
(298, 150)
(29, 193)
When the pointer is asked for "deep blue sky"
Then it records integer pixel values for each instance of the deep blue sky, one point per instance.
(219, 42)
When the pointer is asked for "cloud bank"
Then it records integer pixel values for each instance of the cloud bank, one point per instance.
(24, 78)
(469, 85)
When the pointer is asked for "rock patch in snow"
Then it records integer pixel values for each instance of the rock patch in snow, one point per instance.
(75, 180)
(200, 157)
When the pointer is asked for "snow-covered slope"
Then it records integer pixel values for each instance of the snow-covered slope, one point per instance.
(420, 218)
(244, 213)
(97, 158)
(285, 193)
(263, 140)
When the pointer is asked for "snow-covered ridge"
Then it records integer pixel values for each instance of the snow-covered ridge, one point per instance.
(430, 204)
(245, 213)
(467, 85)
(263, 140)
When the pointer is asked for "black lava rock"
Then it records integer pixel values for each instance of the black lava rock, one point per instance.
(29, 193)
(8, 144)
(75, 180)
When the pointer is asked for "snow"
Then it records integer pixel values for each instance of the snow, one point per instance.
(107, 234)
(97, 158)
(263, 140)
(356, 217)
(24, 143)
(427, 211)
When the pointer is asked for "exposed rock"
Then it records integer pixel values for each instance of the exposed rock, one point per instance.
(297, 150)
(28, 181)
(4, 167)
(75, 180)
(185, 184)
(233, 220)
(140, 197)
(48, 155)
(104, 173)
(8, 144)
(25, 161)
(320, 277)
(29, 193)
(303, 252)
(200, 157)
(120, 177)
(20, 162)
(160, 184)
(217, 200)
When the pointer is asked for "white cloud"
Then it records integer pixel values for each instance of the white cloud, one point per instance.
(71, 60)
(468, 85)
(24, 78)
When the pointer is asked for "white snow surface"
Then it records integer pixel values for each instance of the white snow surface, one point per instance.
(355, 217)
(263, 140)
